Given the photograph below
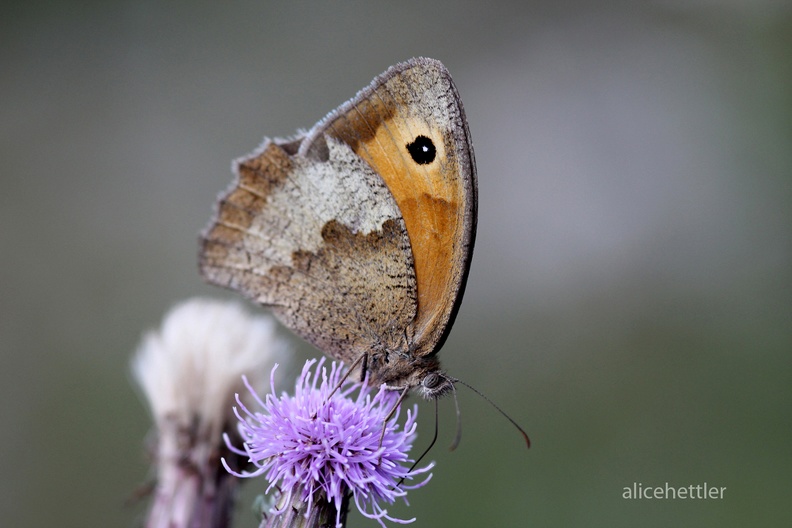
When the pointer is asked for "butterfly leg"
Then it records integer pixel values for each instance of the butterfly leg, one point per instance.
(364, 358)
(404, 391)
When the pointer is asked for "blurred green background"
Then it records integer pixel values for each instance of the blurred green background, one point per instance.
(630, 301)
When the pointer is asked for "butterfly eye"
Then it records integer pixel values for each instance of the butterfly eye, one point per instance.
(431, 381)
(422, 150)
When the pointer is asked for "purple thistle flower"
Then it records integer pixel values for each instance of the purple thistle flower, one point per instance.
(322, 445)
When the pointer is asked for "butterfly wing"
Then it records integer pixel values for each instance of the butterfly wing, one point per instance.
(358, 234)
(320, 239)
(410, 127)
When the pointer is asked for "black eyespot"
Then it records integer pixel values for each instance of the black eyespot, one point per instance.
(422, 150)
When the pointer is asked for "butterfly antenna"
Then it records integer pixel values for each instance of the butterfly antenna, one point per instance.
(524, 434)
(431, 445)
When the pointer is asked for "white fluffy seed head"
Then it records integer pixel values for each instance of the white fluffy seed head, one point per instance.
(192, 366)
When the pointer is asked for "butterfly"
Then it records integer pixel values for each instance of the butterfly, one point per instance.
(359, 232)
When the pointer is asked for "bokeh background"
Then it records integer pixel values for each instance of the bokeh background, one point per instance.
(630, 300)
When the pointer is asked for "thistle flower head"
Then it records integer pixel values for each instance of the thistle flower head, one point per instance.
(324, 443)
